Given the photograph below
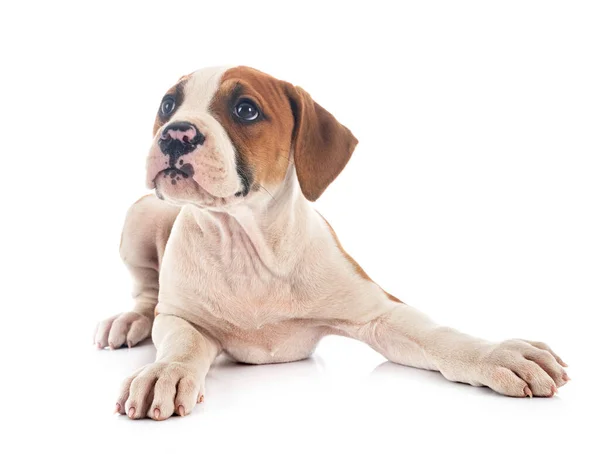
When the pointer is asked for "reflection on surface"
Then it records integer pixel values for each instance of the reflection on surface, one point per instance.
(233, 383)
(405, 379)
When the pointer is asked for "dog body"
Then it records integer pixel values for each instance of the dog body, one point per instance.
(235, 260)
(261, 305)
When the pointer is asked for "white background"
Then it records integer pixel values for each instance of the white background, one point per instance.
(473, 195)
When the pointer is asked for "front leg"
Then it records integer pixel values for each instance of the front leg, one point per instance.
(147, 227)
(129, 328)
(514, 367)
(175, 382)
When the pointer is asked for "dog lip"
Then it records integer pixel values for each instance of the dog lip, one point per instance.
(174, 171)
(185, 171)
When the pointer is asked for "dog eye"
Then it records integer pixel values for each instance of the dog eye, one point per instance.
(167, 106)
(246, 110)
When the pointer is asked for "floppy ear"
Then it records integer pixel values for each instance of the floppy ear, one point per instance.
(322, 146)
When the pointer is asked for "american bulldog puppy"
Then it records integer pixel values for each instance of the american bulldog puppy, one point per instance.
(229, 257)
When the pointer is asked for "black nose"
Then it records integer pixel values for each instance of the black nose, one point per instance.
(179, 138)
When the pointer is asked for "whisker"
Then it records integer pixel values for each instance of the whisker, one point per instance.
(266, 191)
(281, 155)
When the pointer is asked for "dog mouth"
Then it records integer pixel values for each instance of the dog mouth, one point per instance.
(176, 174)
(201, 198)
(182, 176)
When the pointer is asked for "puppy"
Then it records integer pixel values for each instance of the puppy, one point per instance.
(230, 257)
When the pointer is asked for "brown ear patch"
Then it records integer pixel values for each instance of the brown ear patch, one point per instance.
(322, 145)
(354, 264)
(263, 147)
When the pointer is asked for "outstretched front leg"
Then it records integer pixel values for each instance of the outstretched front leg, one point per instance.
(406, 336)
(174, 383)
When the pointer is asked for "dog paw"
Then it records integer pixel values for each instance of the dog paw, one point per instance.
(522, 368)
(160, 390)
(128, 328)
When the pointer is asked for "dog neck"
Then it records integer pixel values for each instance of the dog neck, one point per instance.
(271, 226)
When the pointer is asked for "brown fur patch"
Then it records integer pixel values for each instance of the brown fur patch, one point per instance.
(353, 262)
(263, 146)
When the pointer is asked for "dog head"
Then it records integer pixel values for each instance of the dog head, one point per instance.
(224, 136)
